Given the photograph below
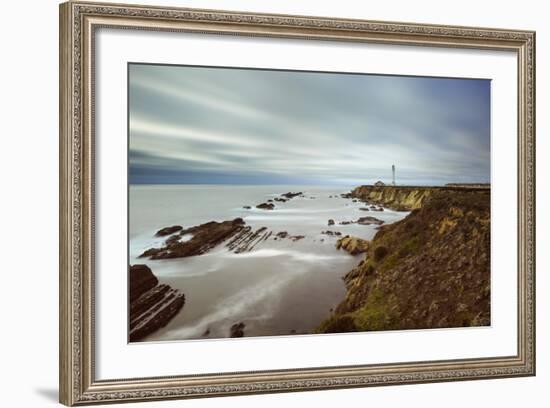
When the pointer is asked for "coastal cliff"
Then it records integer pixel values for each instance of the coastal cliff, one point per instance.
(406, 198)
(429, 270)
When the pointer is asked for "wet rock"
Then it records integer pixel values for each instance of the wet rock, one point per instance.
(152, 305)
(282, 200)
(368, 220)
(364, 209)
(331, 222)
(353, 245)
(168, 230)
(297, 237)
(282, 234)
(237, 330)
(247, 239)
(346, 222)
(205, 237)
(291, 195)
(247, 207)
(266, 206)
(141, 280)
(331, 233)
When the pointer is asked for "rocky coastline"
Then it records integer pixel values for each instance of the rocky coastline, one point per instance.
(429, 270)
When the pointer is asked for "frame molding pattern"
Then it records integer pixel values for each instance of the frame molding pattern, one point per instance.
(77, 24)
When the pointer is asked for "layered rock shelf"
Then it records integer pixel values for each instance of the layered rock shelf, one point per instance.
(152, 305)
(204, 238)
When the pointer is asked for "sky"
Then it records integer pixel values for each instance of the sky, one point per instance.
(197, 125)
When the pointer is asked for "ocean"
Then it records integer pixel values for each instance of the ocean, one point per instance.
(281, 287)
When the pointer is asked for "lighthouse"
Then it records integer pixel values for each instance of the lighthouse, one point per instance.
(393, 174)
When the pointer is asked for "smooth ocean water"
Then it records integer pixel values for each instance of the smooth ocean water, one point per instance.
(281, 287)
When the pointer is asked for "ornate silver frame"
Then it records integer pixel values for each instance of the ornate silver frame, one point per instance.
(78, 22)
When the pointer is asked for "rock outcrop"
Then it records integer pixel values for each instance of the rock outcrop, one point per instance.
(353, 245)
(266, 206)
(204, 237)
(429, 270)
(152, 305)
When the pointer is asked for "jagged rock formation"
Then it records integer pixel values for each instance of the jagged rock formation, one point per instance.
(246, 239)
(429, 270)
(205, 237)
(353, 245)
(238, 237)
(152, 305)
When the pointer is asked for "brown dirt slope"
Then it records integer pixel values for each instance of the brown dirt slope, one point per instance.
(429, 270)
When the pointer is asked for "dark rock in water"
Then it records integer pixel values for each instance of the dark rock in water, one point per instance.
(347, 222)
(369, 220)
(331, 233)
(282, 200)
(270, 200)
(346, 195)
(266, 206)
(331, 222)
(297, 237)
(354, 200)
(247, 207)
(152, 305)
(205, 237)
(237, 330)
(247, 239)
(141, 280)
(364, 209)
(168, 230)
(282, 234)
(290, 195)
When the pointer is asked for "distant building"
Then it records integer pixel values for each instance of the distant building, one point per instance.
(379, 184)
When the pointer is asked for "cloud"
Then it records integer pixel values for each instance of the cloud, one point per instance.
(225, 125)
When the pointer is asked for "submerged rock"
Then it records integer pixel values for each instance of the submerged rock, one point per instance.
(152, 305)
(331, 222)
(290, 195)
(331, 233)
(247, 207)
(368, 220)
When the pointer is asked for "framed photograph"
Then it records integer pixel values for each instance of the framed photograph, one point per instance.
(256, 203)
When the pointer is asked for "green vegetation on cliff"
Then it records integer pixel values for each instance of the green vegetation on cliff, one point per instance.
(429, 270)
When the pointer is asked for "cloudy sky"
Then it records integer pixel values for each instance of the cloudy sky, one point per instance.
(193, 125)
